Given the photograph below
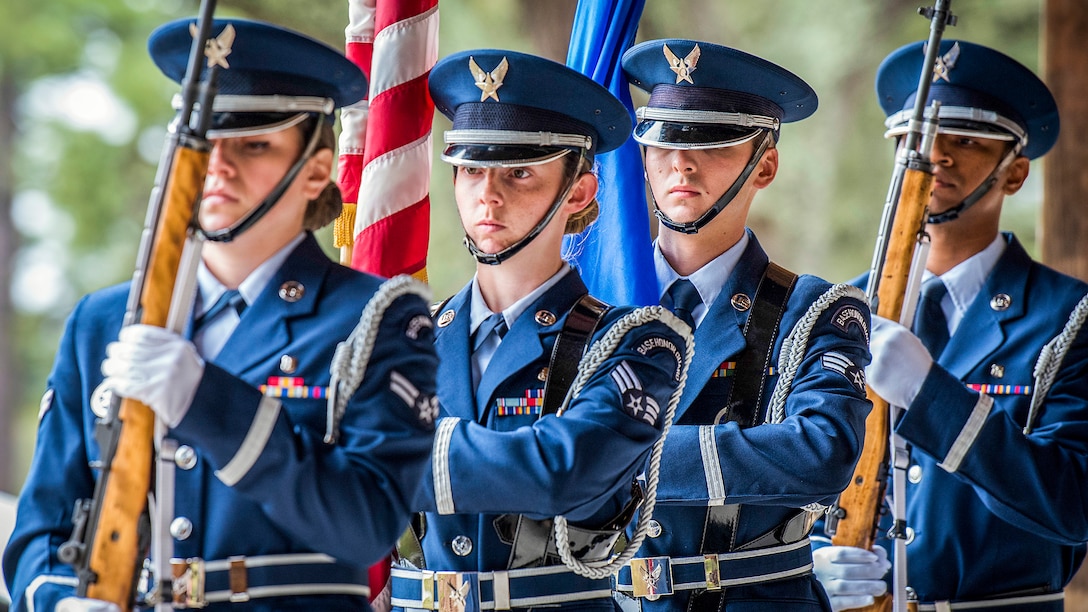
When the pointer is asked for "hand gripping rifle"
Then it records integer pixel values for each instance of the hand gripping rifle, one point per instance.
(893, 291)
(111, 533)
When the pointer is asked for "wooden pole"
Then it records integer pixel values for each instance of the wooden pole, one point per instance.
(1064, 220)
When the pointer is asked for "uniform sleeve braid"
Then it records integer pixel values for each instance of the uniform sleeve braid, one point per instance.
(598, 353)
(350, 360)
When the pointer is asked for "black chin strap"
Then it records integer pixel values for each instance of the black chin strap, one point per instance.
(976, 195)
(231, 232)
(494, 259)
(693, 227)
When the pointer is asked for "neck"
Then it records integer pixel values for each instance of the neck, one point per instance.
(951, 246)
(687, 253)
(515, 278)
(233, 262)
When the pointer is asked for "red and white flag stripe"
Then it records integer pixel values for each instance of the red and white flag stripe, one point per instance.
(392, 223)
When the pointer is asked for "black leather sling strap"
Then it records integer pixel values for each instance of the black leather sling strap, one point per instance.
(569, 347)
(750, 381)
(745, 399)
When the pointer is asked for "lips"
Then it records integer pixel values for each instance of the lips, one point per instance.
(489, 225)
(683, 190)
(218, 196)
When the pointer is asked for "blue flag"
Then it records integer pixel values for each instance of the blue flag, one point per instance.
(615, 254)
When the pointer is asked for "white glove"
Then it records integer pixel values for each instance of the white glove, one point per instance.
(851, 576)
(900, 362)
(155, 366)
(83, 604)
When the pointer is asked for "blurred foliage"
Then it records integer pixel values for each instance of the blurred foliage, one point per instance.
(819, 216)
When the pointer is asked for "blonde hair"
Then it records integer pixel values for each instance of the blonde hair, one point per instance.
(579, 221)
(325, 208)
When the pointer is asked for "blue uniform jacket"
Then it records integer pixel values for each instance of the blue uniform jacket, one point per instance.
(293, 493)
(993, 511)
(771, 470)
(580, 465)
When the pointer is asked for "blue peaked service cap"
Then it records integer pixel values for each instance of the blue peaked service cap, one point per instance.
(704, 95)
(276, 77)
(514, 109)
(983, 93)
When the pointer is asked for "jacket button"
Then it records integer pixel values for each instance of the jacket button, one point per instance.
(462, 546)
(291, 291)
(181, 528)
(288, 364)
(914, 474)
(653, 528)
(544, 317)
(1001, 301)
(185, 457)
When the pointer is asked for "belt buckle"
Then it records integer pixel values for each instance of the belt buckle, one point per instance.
(188, 583)
(426, 596)
(454, 592)
(651, 577)
(712, 572)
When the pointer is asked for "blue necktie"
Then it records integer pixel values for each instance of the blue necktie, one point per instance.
(930, 324)
(231, 298)
(682, 298)
(494, 323)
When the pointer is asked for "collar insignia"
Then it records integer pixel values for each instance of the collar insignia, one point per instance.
(217, 49)
(488, 82)
(945, 64)
(682, 67)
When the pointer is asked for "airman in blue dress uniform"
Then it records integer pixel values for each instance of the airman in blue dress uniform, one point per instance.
(276, 516)
(505, 461)
(772, 418)
(996, 395)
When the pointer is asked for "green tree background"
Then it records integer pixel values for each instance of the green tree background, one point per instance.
(83, 113)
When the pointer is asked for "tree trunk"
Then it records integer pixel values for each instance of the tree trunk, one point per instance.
(1065, 184)
(9, 399)
(548, 24)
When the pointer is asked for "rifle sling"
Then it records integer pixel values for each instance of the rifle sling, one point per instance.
(569, 347)
(746, 394)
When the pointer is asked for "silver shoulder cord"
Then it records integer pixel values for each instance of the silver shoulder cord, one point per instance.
(1051, 358)
(591, 361)
(352, 356)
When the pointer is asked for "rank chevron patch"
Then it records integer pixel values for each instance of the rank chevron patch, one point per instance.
(837, 362)
(635, 401)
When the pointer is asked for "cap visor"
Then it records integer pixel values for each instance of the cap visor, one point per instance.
(669, 135)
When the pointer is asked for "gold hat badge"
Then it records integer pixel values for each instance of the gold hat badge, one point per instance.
(682, 67)
(488, 82)
(217, 49)
(945, 63)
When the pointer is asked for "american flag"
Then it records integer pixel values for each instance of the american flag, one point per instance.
(385, 155)
(385, 144)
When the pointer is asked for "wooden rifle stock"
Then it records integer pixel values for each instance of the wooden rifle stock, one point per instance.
(855, 519)
(115, 550)
(112, 533)
(861, 502)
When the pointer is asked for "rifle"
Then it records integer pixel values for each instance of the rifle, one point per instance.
(894, 279)
(112, 530)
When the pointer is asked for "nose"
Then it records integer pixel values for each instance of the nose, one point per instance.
(219, 160)
(488, 189)
(683, 161)
(938, 155)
